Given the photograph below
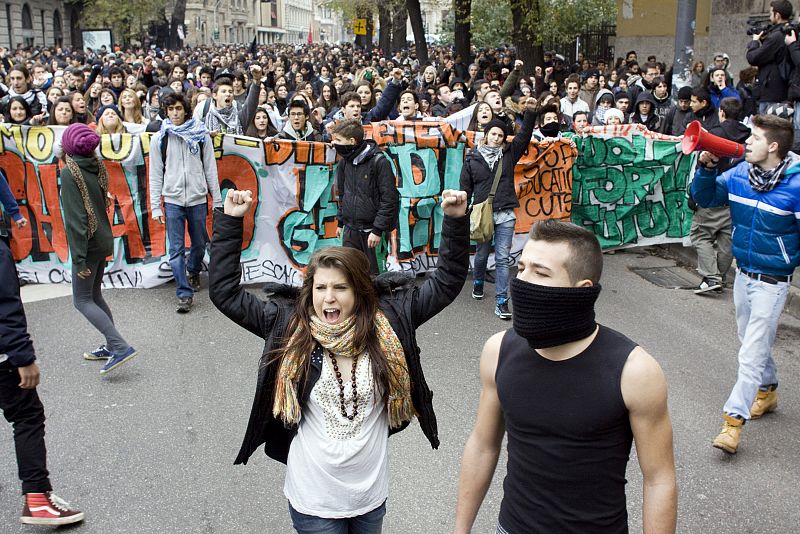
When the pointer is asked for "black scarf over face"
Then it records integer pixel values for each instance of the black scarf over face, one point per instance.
(550, 129)
(552, 316)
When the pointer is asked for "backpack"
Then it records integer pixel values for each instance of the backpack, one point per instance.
(165, 143)
(786, 66)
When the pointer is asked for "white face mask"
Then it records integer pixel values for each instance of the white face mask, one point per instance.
(456, 95)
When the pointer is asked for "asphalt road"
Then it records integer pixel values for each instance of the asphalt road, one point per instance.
(150, 448)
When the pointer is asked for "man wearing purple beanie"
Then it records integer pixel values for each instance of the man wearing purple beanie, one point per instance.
(85, 201)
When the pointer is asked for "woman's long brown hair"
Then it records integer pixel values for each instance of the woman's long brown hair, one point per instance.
(354, 265)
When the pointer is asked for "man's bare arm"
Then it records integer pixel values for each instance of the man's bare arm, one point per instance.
(483, 446)
(645, 392)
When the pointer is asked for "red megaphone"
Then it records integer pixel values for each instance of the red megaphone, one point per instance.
(697, 138)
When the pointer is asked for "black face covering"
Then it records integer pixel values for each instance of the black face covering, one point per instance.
(344, 150)
(550, 129)
(551, 316)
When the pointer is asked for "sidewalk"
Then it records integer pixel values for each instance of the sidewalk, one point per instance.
(687, 257)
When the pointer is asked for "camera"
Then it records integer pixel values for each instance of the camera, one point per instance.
(790, 27)
(758, 24)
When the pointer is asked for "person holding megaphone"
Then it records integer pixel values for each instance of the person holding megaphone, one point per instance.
(764, 196)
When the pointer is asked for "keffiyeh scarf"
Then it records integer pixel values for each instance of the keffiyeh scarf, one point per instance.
(192, 132)
(490, 153)
(225, 120)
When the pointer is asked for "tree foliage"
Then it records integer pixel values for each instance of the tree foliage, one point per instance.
(560, 20)
(127, 20)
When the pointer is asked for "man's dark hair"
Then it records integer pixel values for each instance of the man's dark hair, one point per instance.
(299, 104)
(222, 81)
(776, 130)
(116, 71)
(572, 78)
(585, 261)
(206, 70)
(783, 8)
(349, 97)
(439, 88)
(701, 94)
(650, 65)
(580, 113)
(414, 95)
(349, 129)
(176, 98)
(731, 107)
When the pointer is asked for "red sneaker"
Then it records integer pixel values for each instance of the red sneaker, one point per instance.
(48, 509)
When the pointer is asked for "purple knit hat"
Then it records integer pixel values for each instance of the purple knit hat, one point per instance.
(78, 139)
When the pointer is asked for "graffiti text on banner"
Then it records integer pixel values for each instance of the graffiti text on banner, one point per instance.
(629, 188)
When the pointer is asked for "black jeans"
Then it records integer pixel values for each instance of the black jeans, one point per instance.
(23, 409)
(357, 239)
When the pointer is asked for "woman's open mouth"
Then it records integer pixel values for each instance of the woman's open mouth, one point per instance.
(331, 315)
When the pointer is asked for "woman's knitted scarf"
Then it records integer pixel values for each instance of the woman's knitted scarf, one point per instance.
(80, 181)
(764, 181)
(338, 340)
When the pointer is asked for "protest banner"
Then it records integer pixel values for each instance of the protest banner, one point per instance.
(629, 187)
(295, 204)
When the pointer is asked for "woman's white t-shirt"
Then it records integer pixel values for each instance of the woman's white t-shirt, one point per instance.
(338, 468)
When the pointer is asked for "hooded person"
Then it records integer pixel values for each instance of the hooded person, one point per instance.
(678, 116)
(604, 102)
(85, 201)
(644, 112)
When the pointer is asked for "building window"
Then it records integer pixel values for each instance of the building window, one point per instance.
(27, 25)
(58, 36)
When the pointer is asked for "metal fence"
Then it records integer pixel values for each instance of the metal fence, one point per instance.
(596, 43)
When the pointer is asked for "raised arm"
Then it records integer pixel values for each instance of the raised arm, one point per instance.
(644, 390)
(224, 274)
(523, 138)
(388, 99)
(483, 446)
(445, 283)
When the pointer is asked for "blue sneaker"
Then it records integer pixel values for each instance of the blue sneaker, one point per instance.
(117, 360)
(100, 353)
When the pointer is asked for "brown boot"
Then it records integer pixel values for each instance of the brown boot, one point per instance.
(729, 436)
(766, 401)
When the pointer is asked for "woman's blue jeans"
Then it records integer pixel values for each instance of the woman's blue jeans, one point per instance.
(369, 523)
(503, 236)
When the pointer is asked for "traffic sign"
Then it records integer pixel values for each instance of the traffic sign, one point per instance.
(360, 26)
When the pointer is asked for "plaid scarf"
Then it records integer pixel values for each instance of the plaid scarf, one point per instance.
(338, 339)
(490, 153)
(80, 181)
(763, 181)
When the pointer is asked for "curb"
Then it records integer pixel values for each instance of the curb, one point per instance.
(687, 257)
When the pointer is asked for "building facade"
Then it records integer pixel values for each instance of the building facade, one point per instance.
(35, 23)
(721, 27)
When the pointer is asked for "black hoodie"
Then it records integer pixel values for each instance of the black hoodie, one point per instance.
(732, 130)
(653, 121)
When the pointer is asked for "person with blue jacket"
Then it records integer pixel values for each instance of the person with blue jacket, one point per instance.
(764, 196)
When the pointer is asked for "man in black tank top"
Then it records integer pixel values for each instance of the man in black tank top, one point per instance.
(572, 396)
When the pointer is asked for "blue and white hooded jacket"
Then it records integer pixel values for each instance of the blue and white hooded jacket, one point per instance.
(766, 226)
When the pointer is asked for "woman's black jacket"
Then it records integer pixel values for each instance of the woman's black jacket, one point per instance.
(405, 305)
(477, 177)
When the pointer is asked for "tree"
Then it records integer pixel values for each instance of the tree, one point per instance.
(462, 29)
(178, 16)
(399, 33)
(415, 15)
(127, 20)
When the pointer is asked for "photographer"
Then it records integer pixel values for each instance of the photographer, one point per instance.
(766, 51)
(793, 48)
